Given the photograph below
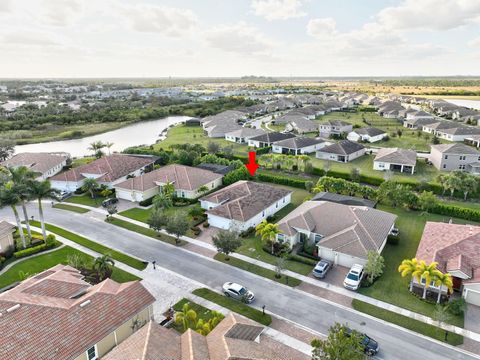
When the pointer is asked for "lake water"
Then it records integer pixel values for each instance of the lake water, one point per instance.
(473, 104)
(145, 132)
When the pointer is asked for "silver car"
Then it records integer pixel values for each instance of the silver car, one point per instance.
(238, 292)
(321, 269)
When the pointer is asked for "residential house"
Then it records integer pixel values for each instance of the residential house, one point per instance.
(218, 125)
(56, 314)
(45, 165)
(242, 135)
(235, 337)
(390, 109)
(395, 159)
(418, 123)
(308, 112)
(288, 117)
(244, 204)
(186, 180)
(334, 127)
(473, 140)
(7, 243)
(420, 114)
(302, 126)
(456, 249)
(367, 134)
(108, 170)
(343, 234)
(342, 151)
(268, 139)
(452, 131)
(450, 157)
(298, 145)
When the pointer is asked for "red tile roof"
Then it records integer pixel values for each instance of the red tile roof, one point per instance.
(41, 322)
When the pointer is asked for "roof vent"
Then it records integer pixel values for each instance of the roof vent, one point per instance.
(13, 308)
(85, 303)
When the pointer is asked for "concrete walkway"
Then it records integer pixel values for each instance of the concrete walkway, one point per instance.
(318, 283)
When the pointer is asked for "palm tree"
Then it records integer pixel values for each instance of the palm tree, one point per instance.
(96, 147)
(9, 197)
(408, 267)
(90, 185)
(442, 279)
(108, 145)
(162, 201)
(268, 232)
(103, 265)
(186, 317)
(428, 272)
(168, 189)
(42, 190)
(203, 189)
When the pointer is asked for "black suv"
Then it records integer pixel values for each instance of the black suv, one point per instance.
(108, 202)
(370, 346)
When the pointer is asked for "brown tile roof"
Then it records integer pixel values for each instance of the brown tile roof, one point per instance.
(218, 345)
(352, 230)
(6, 227)
(182, 177)
(37, 162)
(244, 199)
(57, 324)
(108, 168)
(455, 247)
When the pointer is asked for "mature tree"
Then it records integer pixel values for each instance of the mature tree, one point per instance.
(213, 147)
(226, 242)
(442, 316)
(177, 225)
(408, 268)
(9, 197)
(187, 317)
(443, 280)
(442, 180)
(268, 233)
(427, 201)
(279, 266)
(90, 185)
(374, 266)
(228, 151)
(339, 345)
(195, 212)
(162, 201)
(42, 190)
(428, 272)
(158, 219)
(103, 266)
(111, 210)
(203, 189)
(7, 149)
(394, 194)
(96, 147)
(168, 189)
(109, 145)
(453, 182)
(467, 183)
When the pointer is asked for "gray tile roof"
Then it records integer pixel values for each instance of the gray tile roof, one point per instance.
(352, 230)
(370, 131)
(299, 142)
(344, 147)
(304, 125)
(246, 132)
(397, 156)
(456, 148)
(272, 137)
(37, 162)
(335, 123)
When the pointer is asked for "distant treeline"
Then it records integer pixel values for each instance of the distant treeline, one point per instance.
(429, 82)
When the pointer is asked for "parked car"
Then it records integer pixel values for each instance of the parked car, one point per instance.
(108, 202)
(320, 270)
(354, 277)
(62, 195)
(394, 232)
(370, 346)
(238, 292)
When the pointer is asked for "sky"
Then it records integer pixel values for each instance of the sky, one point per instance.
(218, 38)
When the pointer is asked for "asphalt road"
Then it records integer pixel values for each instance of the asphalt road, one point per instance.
(294, 305)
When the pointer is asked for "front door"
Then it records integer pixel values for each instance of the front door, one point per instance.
(457, 283)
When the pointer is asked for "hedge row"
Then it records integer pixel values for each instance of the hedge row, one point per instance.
(264, 150)
(303, 260)
(282, 180)
(32, 250)
(457, 211)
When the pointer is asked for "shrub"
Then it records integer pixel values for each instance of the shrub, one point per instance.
(29, 251)
(392, 240)
(146, 202)
(457, 306)
(249, 232)
(206, 224)
(80, 191)
(302, 259)
(50, 241)
(282, 180)
(196, 230)
(264, 150)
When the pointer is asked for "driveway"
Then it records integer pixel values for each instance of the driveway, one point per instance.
(207, 234)
(472, 322)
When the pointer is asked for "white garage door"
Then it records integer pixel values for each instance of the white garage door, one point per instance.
(472, 297)
(219, 222)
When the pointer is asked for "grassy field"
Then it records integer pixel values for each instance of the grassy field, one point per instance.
(144, 231)
(391, 287)
(406, 322)
(85, 199)
(82, 161)
(92, 245)
(202, 313)
(40, 263)
(71, 208)
(234, 305)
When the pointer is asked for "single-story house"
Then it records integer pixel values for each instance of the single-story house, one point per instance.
(298, 145)
(456, 249)
(268, 139)
(334, 127)
(420, 114)
(45, 165)
(343, 234)
(418, 123)
(218, 125)
(108, 170)
(244, 204)
(193, 122)
(369, 134)
(451, 130)
(342, 151)
(6, 237)
(343, 199)
(302, 126)
(473, 140)
(450, 157)
(395, 159)
(185, 179)
(242, 135)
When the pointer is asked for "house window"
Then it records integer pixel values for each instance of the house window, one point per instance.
(461, 167)
(444, 166)
(92, 353)
(276, 205)
(463, 157)
(446, 157)
(281, 237)
(263, 213)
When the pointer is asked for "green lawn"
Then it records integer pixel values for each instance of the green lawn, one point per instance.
(82, 161)
(92, 245)
(85, 199)
(234, 305)
(71, 208)
(144, 231)
(391, 287)
(464, 204)
(40, 263)
(406, 322)
(266, 273)
(202, 313)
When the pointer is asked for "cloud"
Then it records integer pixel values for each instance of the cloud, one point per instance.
(5, 5)
(239, 38)
(474, 42)
(430, 14)
(159, 19)
(321, 27)
(28, 38)
(60, 12)
(278, 9)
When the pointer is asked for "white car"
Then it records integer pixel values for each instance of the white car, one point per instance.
(354, 277)
(238, 292)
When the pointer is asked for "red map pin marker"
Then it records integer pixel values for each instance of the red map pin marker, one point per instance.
(252, 166)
